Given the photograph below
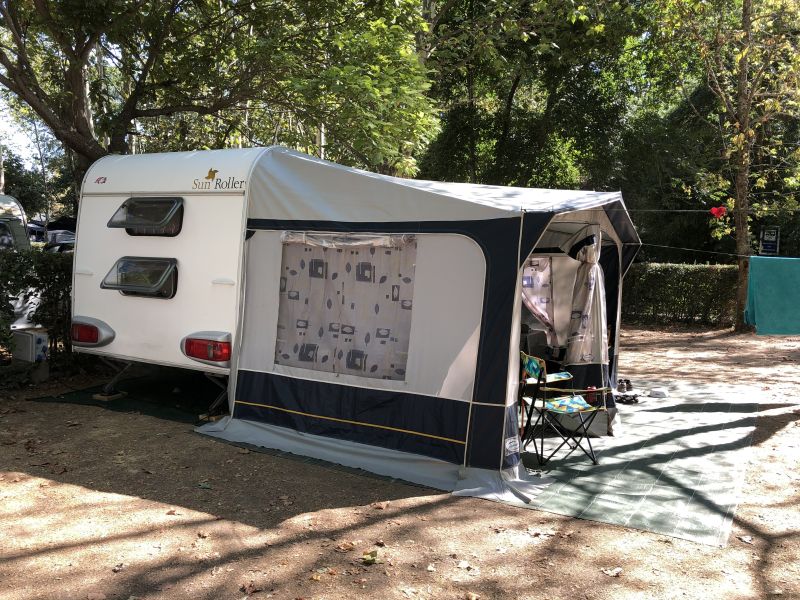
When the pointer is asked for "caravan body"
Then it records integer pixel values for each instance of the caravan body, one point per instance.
(205, 241)
(369, 320)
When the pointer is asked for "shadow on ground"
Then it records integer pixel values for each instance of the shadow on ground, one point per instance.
(87, 487)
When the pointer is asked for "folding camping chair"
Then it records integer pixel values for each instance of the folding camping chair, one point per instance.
(534, 402)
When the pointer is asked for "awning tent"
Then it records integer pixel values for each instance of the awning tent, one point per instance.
(380, 326)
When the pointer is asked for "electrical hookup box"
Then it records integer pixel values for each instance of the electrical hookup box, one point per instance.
(30, 345)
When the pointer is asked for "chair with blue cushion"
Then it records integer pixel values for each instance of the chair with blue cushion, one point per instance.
(542, 405)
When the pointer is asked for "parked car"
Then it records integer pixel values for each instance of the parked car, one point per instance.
(60, 241)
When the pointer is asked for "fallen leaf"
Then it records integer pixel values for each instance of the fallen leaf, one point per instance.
(380, 543)
(370, 558)
(746, 539)
(202, 534)
(204, 485)
(615, 572)
(250, 588)
(172, 511)
(118, 568)
(538, 533)
(380, 505)
(345, 547)
(315, 577)
(244, 451)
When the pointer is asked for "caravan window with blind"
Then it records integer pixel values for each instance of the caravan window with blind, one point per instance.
(346, 303)
(149, 216)
(143, 276)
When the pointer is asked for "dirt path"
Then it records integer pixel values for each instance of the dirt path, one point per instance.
(98, 504)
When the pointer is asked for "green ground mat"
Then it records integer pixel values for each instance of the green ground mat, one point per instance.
(182, 396)
(171, 394)
(676, 467)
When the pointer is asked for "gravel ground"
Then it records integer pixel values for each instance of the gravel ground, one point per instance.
(96, 504)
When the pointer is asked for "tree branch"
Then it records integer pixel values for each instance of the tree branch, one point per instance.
(55, 29)
(128, 111)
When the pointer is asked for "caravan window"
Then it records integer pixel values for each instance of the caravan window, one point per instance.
(149, 216)
(140, 276)
(346, 303)
(6, 237)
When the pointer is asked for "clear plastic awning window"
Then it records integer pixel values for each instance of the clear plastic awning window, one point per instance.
(347, 240)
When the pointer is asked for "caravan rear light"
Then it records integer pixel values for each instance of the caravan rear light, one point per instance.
(87, 331)
(210, 347)
(88, 334)
(208, 350)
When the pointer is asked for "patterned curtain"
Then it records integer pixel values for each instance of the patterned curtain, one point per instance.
(346, 303)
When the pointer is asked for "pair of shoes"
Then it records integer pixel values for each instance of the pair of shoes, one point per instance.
(628, 398)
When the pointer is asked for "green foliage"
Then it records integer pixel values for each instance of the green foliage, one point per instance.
(533, 91)
(49, 275)
(666, 160)
(124, 75)
(24, 184)
(46, 187)
(666, 294)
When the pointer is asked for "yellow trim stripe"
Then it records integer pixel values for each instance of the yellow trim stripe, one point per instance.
(305, 414)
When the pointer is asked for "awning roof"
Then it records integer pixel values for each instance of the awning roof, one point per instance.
(285, 185)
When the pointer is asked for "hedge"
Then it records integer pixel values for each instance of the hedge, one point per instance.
(50, 276)
(665, 294)
(654, 293)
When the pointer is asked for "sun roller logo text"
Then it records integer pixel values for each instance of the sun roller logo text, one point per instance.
(212, 182)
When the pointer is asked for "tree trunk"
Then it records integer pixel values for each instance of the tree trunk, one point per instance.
(473, 134)
(501, 153)
(742, 180)
(742, 244)
(2, 172)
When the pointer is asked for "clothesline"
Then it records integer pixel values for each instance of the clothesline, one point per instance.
(749, 211)
(696, 250)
